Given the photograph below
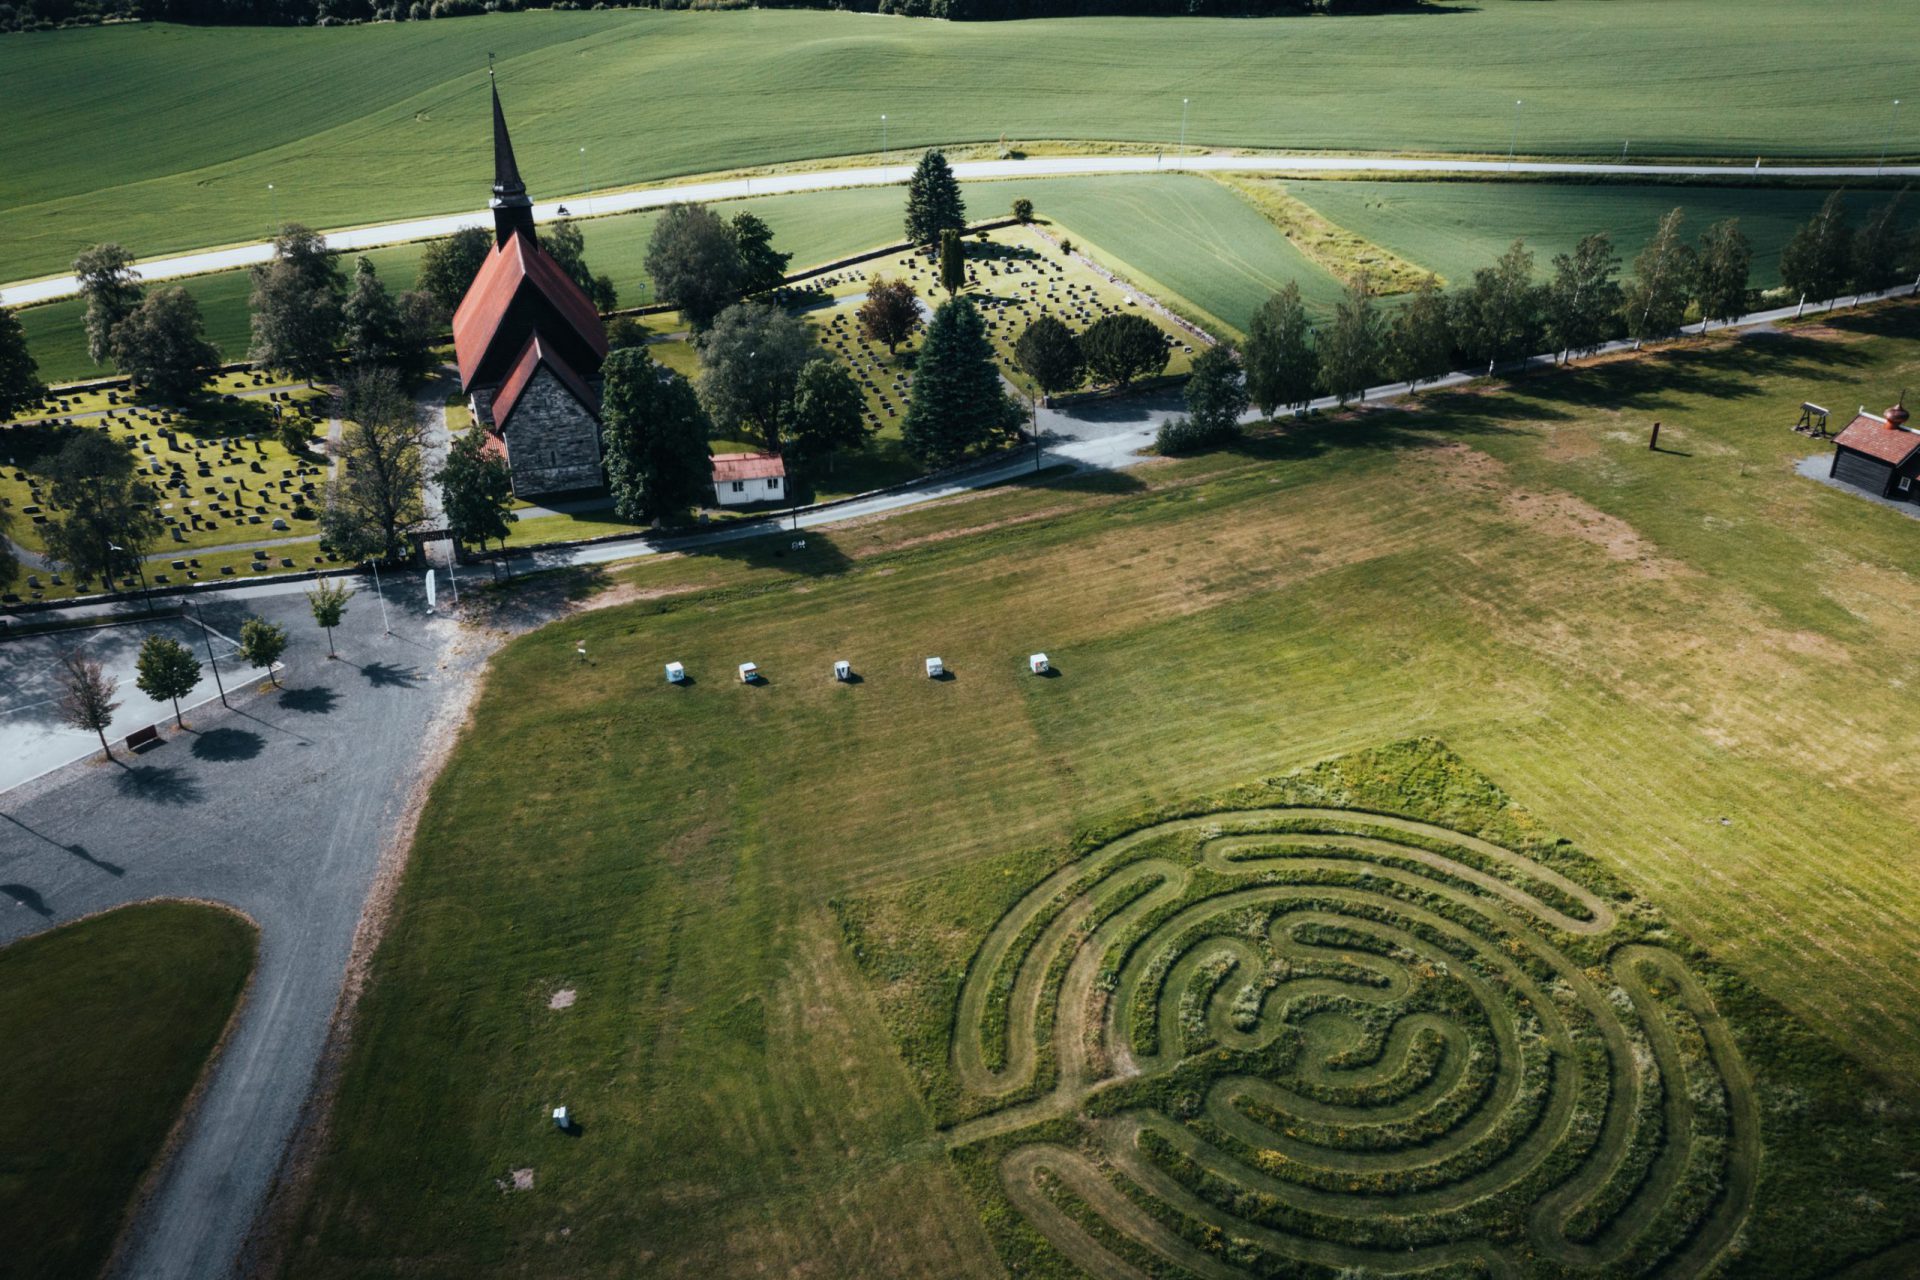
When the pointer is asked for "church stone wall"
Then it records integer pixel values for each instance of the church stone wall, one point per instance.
(553, 443)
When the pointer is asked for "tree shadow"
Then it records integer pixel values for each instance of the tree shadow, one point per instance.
(159, 784)
(226, 745)
(386, 675)
(819, 557)
(28, 898)
(316, 700)
(534, 599)
(80, 851)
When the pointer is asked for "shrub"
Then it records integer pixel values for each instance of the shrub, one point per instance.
(1023, 210)
(1184, 435)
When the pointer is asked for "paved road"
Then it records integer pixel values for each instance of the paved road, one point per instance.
(603, 203)
(282, 807)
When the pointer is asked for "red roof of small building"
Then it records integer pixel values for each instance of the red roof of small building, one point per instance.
(1873, 437)
(493, 446)
(490, 297)
(532, 356)
(746, 466)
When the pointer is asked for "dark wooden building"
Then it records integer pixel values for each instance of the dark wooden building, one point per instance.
(529, 345)
(1879, 455)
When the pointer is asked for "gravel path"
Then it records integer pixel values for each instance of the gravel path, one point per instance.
(22, 293)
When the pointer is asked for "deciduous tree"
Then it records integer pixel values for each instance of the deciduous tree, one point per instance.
(958, 403)
(1216, 394)
(297, 305)
(448, 266)
(694, 262)
(86, 696)
(655, 432)
(372, 320)
(1818, 261)
(1022, 210)
(1582, 301)
(762, 267)
(20, 384)
(111, 289)
(1656, 297)
(162, 348)
(1876, 249)
(103, 521)
(750, 361)
(1725, 264)
(261, 644)
(1122, 348)
(566, 245)
(1282, 367)
(1420, 339)
(376, 502)
(1353, 345)
(827, 413)
(476, 491)
(891, 312)
(1497, 316)
(933, 201)
(166, 670)
(328, 603)
(1048, 353)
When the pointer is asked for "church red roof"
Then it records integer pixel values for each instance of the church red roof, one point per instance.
(531, 358)
(511, 268)
(1874, 437)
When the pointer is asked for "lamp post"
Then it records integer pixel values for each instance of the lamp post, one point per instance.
(1887, 145)
(140, 564)
(274, 196)
(207, 637)
(1183, 128)
(1513, 138)
(883, 139)
(585, 189)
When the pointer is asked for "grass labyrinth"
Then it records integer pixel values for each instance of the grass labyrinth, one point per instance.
(1249, 1039)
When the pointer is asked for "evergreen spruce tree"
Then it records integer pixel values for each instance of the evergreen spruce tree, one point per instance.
(953, 262)
(933, 201)
(20, 383)
(958, 401)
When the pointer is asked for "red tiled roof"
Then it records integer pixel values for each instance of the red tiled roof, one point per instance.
(532, 356)
(1873, 437)
(746, 466)
(488, 300)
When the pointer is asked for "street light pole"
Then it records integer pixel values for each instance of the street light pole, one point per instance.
(1887, 145)
(207, 637)
(275, 197)
(140, 564)
(1183, 128)
(883, 139)
(381, 596)
(586, 189)
(1513, 138)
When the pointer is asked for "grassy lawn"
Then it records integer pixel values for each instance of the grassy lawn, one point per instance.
(364, 124)
(108, 1023)
(1688, 664)
(1454, 228)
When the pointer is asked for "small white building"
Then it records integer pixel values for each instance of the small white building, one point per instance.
(740, 479)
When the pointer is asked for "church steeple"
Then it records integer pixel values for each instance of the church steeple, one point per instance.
(512, 209)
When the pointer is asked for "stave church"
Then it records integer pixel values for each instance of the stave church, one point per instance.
(529, 345)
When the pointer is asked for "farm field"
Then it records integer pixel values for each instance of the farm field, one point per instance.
(1454, 228)
(725, 924)
(365, 124)
(108, 1023)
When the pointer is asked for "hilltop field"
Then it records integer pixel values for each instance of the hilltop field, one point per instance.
(1526, 802)
(174, 148)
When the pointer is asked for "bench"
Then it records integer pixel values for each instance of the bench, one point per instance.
(141, 739)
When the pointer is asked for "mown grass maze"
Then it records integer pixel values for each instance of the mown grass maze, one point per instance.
(1308, 1038)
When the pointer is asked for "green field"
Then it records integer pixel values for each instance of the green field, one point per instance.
(1454, 228)
(1187, 240)
(108, 1024)
(1686, 663)
(165, 138)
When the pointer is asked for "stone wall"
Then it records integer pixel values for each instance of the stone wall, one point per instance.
(553, 443)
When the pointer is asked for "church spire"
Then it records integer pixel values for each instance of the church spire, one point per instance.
(512, 209)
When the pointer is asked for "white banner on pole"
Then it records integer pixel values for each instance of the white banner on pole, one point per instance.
(430, 600)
